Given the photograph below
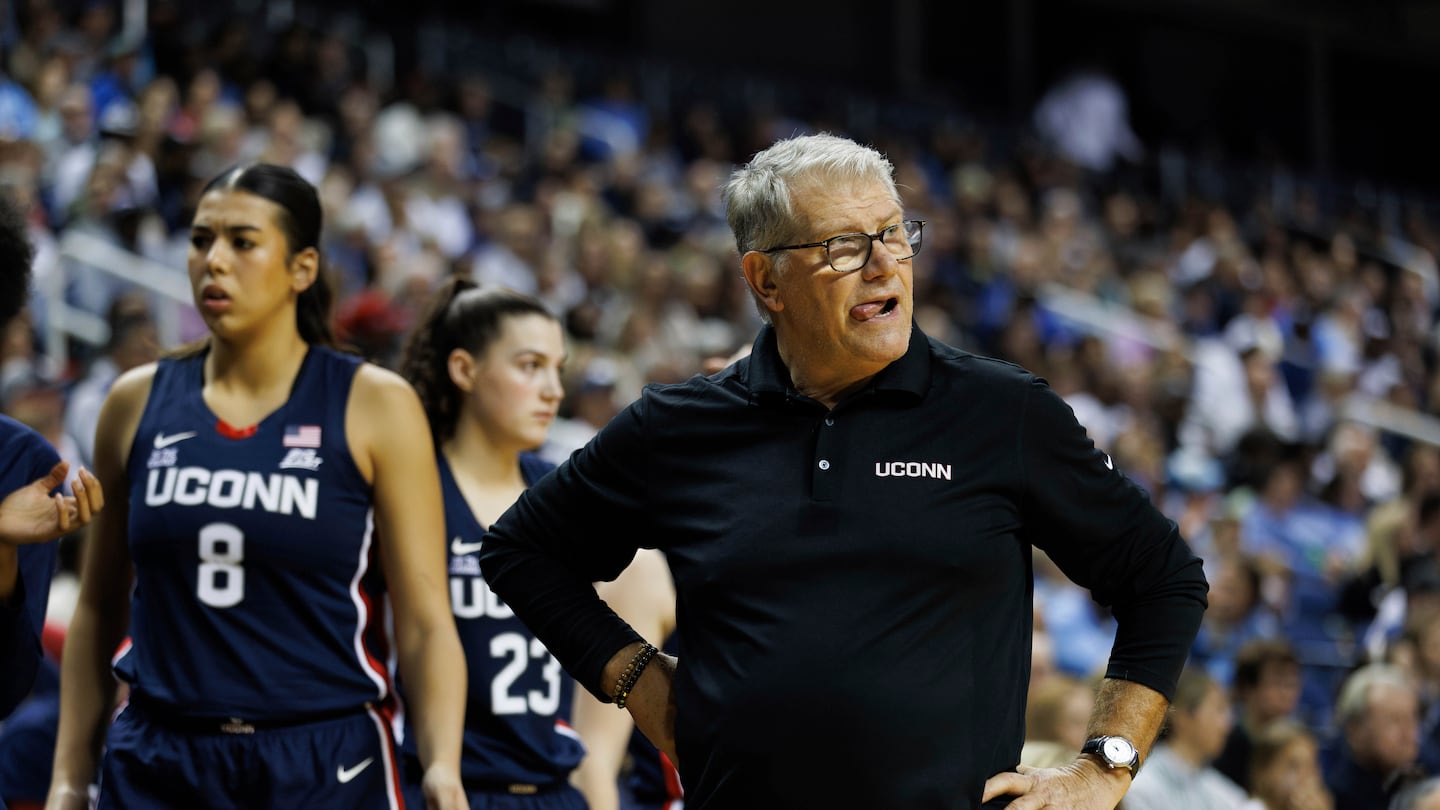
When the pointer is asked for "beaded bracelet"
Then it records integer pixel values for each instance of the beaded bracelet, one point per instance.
(631, 673)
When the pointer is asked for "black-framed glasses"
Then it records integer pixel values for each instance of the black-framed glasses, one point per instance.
(849, 252)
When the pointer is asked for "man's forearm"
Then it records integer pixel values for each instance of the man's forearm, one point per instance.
(1130, 710)
(652, 701)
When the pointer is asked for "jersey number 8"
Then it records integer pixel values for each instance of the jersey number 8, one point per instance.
(221, 581)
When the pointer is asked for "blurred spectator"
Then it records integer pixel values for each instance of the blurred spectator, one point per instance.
(71, 156)
(1304, 548)
(1403, 545)
(587, 408)
(1353, 472)
(1422, 796)
(1081, 629)
(124, 71)
(18, 115)
(1178, 772)
(1042, 661)
(37, 400)
(1058, 712)
(1194, 497)
(1235, 618)
(1086, 116)
(1237, 389)
(1265, 689)
(1286, 769)
(1378, 714)
(514, 251)
(133, 341)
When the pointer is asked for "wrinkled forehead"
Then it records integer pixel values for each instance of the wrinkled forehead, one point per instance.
(819, 201)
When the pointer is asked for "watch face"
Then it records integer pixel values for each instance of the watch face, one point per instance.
(1119, 751)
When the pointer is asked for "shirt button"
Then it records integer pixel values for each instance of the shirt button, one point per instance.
(829, 421)
(824, 464)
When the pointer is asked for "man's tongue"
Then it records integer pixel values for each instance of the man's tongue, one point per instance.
(866, 311)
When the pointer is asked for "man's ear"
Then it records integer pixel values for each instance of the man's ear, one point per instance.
(461, 366)
(761, 276)
(304, 269)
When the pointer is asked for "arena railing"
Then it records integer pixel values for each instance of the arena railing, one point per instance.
(64, 322)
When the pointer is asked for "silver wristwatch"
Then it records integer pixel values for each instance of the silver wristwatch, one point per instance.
(1116, 752)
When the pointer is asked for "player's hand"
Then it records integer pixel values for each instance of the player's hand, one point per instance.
(443, 790)
(1082, 785)
(31, 514)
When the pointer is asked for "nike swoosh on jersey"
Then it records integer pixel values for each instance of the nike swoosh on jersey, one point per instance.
(460, 549)
(161, 440)
(1110, 465)
(344, 774)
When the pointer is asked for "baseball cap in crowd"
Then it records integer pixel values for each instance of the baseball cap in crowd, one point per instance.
(1246, 333)
(119, 119)
(601, 374)
(1193, 470)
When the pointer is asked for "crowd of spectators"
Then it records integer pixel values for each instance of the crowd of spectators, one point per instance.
(1227, 322)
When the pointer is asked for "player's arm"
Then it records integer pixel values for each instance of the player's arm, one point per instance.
(102, 610)
(388, 429)
(644, 596)
(31, 514)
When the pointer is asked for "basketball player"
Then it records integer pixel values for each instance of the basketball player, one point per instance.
(644, 596)
(486, 363)
(274, 485)
(33, 511)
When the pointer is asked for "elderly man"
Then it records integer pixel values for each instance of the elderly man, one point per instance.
(1378, 714)
(848, 514)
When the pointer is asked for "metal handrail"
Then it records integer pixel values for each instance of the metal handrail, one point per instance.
(64, 321)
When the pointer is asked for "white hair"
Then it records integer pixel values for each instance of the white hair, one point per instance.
(1355, 694)
(758, 195)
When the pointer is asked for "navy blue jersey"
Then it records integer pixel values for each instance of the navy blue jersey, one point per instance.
(518, 708)
(25, 456)
(255, 566)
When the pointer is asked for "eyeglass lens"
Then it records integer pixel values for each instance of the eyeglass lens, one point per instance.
(852, 251)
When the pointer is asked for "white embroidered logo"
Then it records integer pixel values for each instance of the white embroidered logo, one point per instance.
(460, 549)
(166, 457)
(297, 459)
(344, 774)
(912, 469)
(162, 441)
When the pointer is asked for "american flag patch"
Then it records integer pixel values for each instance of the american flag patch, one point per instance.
(301, 436)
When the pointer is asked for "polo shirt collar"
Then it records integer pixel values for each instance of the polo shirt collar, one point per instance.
(769, 380)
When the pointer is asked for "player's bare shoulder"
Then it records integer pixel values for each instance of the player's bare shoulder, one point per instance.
(378, 391)
(383, 411)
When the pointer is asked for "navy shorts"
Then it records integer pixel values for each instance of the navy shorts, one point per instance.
(347, 762)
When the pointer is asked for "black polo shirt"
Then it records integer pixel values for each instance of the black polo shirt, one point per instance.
(854, 584)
